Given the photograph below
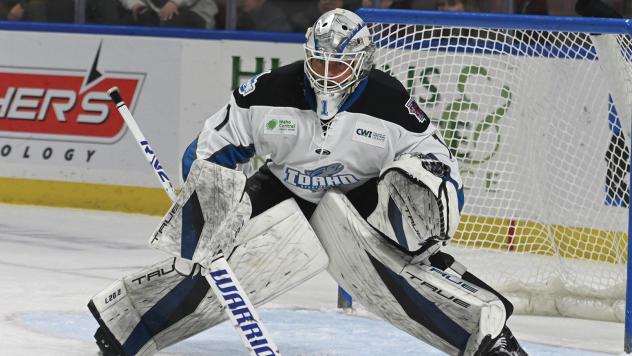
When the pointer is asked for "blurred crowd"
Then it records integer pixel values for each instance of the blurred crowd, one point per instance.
(260, 15)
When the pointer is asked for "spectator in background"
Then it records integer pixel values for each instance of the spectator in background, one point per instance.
(303, 19)
(22, 10)
(171, 13)
(381, 4)
(103, 12)
(455, 6)
(451, 5)
(60, 11)
(97, 11)
(596, 8)
(532, 7)
(261, 15)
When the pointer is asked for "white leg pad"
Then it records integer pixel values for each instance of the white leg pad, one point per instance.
(428, 303)
(161, 305)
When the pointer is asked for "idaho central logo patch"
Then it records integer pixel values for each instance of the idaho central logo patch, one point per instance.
(280, 125)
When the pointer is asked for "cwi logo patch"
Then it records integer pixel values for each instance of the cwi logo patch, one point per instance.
(64, 104)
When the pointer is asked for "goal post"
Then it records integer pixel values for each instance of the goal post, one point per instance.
(538, 110)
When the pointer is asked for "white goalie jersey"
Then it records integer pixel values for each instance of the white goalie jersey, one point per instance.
(273, 115)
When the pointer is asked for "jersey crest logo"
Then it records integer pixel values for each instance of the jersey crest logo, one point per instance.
(249, 86)
(415, 110)
(321, 178)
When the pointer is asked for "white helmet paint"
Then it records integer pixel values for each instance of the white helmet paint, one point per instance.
(338, 55)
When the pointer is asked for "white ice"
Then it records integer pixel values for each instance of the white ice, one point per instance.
(52, 261)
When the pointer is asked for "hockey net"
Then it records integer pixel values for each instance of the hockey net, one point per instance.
(539, 117)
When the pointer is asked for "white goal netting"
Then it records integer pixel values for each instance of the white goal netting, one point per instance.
(540, 122)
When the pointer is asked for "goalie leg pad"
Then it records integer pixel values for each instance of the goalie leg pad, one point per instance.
(132, 309)
(414, 204)
(207, 216)
(161, 305)
(435, 306)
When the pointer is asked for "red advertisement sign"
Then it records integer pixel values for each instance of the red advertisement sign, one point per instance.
(63, 105)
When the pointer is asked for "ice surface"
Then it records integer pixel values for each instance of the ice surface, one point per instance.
(53, 260)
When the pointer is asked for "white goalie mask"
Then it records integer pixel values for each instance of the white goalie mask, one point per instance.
(338, 55)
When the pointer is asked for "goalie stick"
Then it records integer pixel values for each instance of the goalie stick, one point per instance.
(246, 320)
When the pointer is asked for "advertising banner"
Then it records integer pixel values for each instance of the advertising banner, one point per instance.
(57, 124)
(62, 142)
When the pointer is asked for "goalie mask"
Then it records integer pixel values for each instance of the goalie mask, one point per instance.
(338, 55)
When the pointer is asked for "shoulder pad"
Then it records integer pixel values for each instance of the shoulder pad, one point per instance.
(386, 98)
(281, 86)
(250, 85)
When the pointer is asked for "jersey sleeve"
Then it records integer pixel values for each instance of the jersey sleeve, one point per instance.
(430, 143)
(226, 139)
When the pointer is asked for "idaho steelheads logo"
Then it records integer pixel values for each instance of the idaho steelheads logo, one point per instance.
(321, 178)
(64, 104)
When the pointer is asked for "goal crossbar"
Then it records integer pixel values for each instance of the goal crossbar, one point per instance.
(499, 21)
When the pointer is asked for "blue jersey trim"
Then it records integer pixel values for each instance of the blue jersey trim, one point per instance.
(459, 192)
(461, 198)
(230, 155)
(188, 157)
(310, 96)
(308, 91)
(355, 95)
